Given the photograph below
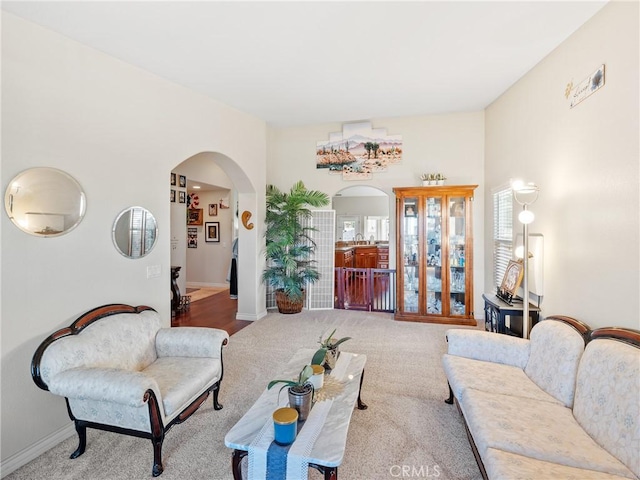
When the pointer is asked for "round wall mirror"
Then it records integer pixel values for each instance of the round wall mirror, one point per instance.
(135, 232)
(45, 202)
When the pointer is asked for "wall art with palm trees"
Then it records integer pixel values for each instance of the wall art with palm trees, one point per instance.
(358, 151)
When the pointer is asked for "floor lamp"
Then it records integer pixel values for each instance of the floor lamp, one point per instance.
(525, 194)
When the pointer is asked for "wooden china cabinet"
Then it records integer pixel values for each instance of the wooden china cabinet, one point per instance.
(434, 245)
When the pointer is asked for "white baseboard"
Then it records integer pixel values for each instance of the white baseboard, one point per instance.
(251, 317)
(20, 459)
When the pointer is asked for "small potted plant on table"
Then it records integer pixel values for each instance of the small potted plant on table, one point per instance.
(300, 392)
(327, 354)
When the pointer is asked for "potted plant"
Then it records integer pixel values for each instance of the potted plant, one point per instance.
(289, 247)
(327, 354)
(300, 392)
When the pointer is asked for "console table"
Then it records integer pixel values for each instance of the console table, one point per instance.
(495, 311)
(329, 448)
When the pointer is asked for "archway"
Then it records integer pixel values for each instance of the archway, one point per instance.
(362, 214)
(221, 173)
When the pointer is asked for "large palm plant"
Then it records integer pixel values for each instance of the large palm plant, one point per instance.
(289, 246)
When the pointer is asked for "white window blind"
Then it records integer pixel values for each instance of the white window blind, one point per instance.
(502, 232)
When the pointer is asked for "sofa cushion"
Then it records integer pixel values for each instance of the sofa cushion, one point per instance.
(607, 401)
(556, 349)
(540, 430)
(464, 373)
(182, 379)
(501, 465)
(123, 341)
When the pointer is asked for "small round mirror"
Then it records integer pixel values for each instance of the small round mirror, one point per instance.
(135, 232)
(45, 202)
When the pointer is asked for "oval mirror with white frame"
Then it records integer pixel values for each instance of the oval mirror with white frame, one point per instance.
(135, 232)
(45, 202)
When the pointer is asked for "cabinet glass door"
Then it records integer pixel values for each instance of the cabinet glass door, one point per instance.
(433, 232)
(456, 260)
(411, 265)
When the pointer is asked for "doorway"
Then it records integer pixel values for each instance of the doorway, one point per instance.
(205, 229)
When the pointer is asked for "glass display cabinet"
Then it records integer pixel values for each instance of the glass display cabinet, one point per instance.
(434, 241)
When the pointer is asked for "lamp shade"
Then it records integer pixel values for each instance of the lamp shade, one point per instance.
(526, 217)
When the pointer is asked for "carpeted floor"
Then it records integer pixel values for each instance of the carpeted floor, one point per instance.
(407, 428)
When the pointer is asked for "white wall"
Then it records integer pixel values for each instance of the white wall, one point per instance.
(585, 161)
(451, 144)
(119, 131)
(208, 265)
(363, 206)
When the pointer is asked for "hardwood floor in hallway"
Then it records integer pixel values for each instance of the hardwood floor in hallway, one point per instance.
(215, 311)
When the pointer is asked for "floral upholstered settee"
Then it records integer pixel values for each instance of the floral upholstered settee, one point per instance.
(564, 404)
(120, 371)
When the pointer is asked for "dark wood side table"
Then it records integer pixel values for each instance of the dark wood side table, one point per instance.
(495, 311)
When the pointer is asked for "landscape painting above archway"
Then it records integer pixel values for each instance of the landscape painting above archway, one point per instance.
(359, 151)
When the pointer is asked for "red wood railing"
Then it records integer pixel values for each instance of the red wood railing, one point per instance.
(369, 289)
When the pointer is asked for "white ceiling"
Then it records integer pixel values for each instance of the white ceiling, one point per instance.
(299, 63)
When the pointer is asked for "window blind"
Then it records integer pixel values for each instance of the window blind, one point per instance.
(502, 232)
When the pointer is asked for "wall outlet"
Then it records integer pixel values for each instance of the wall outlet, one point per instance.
(154, 271)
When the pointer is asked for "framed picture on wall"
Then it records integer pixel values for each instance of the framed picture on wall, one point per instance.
(173, 179)
(173, 195)
(192, 238)
(183, 181)
(194, 216)
(213, 209)
(212, 232)
(183, 197)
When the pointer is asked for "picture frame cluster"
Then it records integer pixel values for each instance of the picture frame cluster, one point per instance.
(181, 182)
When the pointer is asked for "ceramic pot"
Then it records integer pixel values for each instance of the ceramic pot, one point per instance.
(330, 358)
(301, 398)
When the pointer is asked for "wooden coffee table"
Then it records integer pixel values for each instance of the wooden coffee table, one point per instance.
(329, 448)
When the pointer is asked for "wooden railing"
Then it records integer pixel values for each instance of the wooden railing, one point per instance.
(369, 289)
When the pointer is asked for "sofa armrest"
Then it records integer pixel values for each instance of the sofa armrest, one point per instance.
(488, 347)
(190, 342)
(126, 387)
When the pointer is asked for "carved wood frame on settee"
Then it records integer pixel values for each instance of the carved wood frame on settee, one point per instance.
(158, 429)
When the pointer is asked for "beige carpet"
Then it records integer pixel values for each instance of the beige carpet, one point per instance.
(205, 292)
(407, 426)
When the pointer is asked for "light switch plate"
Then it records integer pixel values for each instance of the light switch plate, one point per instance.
(154, 271)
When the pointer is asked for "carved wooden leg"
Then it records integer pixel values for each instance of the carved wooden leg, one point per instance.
(82, 440)
(236, 459)
(361, 405)
(450, 399)
(216, 390)
(158, 468)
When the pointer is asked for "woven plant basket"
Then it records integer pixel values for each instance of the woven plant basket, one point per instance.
(286, 305)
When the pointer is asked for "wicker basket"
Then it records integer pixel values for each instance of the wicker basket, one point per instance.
(286, 305)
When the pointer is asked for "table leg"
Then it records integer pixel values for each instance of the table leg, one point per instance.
(330, 473)
(361, 405)
(236, 459)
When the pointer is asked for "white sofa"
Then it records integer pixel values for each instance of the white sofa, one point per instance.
(549, 407)
(120, 371)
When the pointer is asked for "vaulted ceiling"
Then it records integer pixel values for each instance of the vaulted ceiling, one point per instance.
(298, 62)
